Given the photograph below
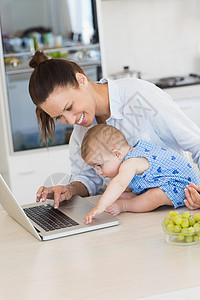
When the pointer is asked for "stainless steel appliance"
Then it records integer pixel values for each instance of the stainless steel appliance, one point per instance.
(177, 81)
(63, 28)
(126, 73)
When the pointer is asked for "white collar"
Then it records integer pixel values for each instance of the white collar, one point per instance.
(114, 98)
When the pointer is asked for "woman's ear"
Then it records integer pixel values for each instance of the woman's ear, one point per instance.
(82, 79)
(117, 153)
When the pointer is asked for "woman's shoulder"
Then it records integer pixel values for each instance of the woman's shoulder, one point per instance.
(129, 81)
(134, 88)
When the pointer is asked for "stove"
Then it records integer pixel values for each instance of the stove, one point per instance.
(177, 81)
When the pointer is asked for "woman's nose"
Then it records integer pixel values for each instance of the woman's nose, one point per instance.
(69, 119)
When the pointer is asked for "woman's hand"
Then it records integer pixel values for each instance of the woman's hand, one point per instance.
(59, 193)
(192, 193)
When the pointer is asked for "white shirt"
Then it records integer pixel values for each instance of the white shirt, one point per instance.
(141, 111)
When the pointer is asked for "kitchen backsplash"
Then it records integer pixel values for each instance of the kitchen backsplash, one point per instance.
(157, 37)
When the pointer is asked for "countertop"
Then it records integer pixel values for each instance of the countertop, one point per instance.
(128, 261)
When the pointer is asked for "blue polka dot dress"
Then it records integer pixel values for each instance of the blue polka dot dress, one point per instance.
(168, 170)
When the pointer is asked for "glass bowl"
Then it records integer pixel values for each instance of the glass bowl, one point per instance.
(181, 238)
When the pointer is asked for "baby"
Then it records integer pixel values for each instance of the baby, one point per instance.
(157, 176)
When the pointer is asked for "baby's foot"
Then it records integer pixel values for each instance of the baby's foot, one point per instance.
(116, 208)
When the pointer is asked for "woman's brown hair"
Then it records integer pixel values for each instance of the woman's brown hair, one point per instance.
(47, 75)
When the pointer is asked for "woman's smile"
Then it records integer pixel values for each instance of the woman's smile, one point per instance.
(68, 105)
(81, 120)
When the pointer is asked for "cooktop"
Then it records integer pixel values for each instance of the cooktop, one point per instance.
(177, 81)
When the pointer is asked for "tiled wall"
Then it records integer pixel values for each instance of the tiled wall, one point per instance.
(157, 37)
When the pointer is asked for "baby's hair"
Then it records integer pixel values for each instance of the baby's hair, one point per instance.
(104, 136)
(49, 74)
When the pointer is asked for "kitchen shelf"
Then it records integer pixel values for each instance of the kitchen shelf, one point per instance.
(63, 49)
(83, 61)
(30, 70)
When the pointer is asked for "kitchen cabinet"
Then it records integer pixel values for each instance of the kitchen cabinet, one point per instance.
(188, 98)
(27, 172)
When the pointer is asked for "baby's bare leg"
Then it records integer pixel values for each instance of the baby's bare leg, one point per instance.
(147, 201)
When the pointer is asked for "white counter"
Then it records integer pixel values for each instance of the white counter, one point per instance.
(128, 261)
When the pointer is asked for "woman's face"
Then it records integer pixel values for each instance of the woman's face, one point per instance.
(71, 105)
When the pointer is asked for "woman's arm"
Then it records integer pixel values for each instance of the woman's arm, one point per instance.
(186, 136)
(177, 131)
(173, 126)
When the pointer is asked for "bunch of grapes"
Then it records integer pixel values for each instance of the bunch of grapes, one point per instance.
(185, 226)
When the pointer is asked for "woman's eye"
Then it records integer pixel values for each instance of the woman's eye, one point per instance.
(99, 166)
(69, 108)
(58, 117)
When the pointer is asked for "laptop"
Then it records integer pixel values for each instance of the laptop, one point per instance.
(46, 223)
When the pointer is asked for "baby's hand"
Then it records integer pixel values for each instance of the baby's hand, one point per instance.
(97, 210)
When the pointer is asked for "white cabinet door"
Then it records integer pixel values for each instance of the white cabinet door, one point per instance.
(29, 171)
(191, 108)
(188, 98)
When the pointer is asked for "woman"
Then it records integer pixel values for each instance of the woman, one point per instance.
(61, 91)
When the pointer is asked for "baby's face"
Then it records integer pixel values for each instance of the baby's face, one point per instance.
(106, 163)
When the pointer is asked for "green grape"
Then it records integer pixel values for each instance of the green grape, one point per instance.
(185, 226)
(196, 238)
(196, 227)
(170, 228)
(180, 237)
(187, 231)
(186, 215)
(177, 228)
(190, 230)
(189, 239)
(184, 231)
(185, 223)
(191, 221)
(173, 213)
(171, 222)
(177, 220)
(166, 221)
(197, 217)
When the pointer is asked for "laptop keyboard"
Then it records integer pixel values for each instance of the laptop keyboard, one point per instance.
(49, 218)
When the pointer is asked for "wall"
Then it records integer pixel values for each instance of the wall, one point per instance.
(158, 37)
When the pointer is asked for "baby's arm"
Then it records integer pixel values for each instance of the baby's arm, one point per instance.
(117, 185)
